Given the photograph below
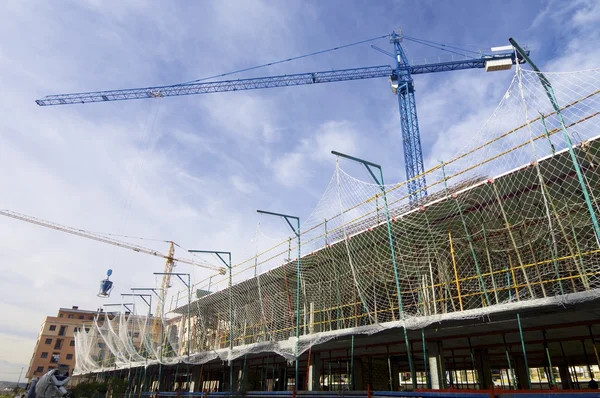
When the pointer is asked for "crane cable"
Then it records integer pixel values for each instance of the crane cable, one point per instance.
(443, 47)
(151, 117)
(440, 46)
(284, 60)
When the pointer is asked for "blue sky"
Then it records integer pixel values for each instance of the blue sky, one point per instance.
(195, 169)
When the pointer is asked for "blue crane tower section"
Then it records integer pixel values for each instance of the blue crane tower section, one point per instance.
(399, 75)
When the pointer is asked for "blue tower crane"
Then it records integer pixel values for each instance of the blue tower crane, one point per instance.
(400, 78)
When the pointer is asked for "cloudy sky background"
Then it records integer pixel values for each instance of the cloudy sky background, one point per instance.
(195, 169)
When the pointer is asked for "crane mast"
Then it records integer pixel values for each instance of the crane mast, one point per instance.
(166, 280)
(403, 86)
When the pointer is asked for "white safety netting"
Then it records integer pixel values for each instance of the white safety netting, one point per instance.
(508, 222)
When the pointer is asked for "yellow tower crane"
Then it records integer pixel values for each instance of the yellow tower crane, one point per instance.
(170, 257)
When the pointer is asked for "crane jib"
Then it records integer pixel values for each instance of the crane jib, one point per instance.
(265, 82)
(104, 239)
(399, 77)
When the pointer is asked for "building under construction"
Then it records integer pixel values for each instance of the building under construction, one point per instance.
(491, 280)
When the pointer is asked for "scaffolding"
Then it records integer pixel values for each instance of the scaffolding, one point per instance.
(509, 223)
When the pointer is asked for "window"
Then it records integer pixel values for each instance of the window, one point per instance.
(80, 316)
(55, 357)
(72, 343)
(48, 341)
(91, 318)
(58, 344)
(39, 369)
(62, 330)
(70, 316)
(44, 355)
(60, 315)
(52, 327)
(69, 356)
(136, 335)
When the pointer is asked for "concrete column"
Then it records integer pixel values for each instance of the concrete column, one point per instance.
(196, 381)
(395, 376)
(435, 362)
(281, 384)
(359, 380)
(314, 372)
(484, 371)
(238, 378)
(565, 377)
(520, 372)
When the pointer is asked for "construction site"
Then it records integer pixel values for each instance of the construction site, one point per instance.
(479, 276)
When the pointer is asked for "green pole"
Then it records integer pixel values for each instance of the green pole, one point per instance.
(352, 363)
(162, 314)
(524, 351)
(380, 182)
(396, 278)
(296, 231)
(475, 371)
(550, 245)
(511, 372)
(487, 252)
(542, 117)
(230, 328)
(550, 93)
(297, 304)
(547, 349)
(189, 331)
(469, 239)
(427, 375)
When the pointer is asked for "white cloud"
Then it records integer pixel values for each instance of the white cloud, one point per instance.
(242, 185)
(291, 169)
(298, 167)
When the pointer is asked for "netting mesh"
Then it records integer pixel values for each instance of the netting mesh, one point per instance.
(508, 221)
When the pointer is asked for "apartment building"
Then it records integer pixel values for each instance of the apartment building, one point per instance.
(55, 344)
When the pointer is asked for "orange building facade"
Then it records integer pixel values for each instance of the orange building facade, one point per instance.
(55, 344)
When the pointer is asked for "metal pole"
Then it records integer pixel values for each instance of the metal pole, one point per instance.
(510, 371)
(425, 361)
(229, 266)
(380, 182)
(19, 379)
(162, 317)
(298, 277)
(524, 351)
(352, 363)
(297, 304)
(230, 329)
(189, 331)
(549, 358)
(469, 239)
(550, 93)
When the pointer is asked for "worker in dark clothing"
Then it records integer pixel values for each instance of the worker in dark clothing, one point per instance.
(593, 385)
